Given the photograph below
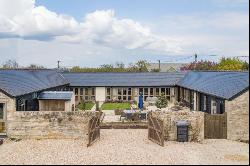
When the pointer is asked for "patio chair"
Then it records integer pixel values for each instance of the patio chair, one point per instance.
(128, 116)
(123, 115)
(143, 116)
(135, 116)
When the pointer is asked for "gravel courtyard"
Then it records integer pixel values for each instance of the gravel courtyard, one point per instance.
(123, 147)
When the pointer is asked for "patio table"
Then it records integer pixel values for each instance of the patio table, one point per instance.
(130, 113)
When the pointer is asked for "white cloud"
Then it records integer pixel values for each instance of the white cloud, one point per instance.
(101, 27)
(22, 18)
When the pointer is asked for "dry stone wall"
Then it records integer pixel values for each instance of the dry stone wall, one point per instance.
(48, 125)
(194, 118)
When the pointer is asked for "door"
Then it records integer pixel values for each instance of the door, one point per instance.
(2, 117)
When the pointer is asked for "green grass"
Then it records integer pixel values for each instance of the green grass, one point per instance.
(86, 106)
(113, 106)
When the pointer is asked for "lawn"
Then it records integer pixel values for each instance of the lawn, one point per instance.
(86, 106)
(113, 106)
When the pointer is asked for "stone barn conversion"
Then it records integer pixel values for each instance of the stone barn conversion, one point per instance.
(49, 95)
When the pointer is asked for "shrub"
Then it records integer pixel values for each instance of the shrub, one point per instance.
(162, 102)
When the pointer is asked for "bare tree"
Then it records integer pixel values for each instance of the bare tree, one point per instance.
(34, 66)
(10, 64)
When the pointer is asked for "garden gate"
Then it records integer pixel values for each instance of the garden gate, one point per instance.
(94, 129)
(215, 126)
(155, 129)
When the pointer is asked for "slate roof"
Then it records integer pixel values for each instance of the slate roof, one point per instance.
(123, 79)
(55, 95)
(225, 85)
(20, 82)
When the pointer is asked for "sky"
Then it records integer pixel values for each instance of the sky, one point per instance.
(89, 33)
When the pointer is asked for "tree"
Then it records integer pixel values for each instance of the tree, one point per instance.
(232, 64)
(34, 66)
(10, 64)
(200, 65)
(162, 102)
(120, 65)
(245, 66)
(142, 65)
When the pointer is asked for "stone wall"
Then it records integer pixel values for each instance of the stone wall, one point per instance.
(194, 118)
(48, 125)
(238, 118)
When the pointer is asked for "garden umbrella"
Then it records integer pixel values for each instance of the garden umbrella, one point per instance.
(140, 104)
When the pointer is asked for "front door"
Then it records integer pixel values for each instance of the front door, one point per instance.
(2, 117)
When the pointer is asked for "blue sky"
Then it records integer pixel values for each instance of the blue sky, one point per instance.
(141, 9)
(93, 32)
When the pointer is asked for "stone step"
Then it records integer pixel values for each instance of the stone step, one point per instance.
(126, 125)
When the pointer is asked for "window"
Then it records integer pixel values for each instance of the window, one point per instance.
(84, 94)
(157, 92)
(186, 95)
(124, 94)
(89, 94)
(81, 91)
(1, 111)
(151, 92)
(140, 91)
(76, 91)
(81, 98)
(163, 92)
(205, 103)
(21, 104)
(108, 93)
(86, 91)
(129, 91)
(146, 91)
(214, 107)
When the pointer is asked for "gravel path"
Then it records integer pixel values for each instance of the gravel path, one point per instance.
(123, 147)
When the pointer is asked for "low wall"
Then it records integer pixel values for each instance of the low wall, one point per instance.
(48, 125)
(195, 119)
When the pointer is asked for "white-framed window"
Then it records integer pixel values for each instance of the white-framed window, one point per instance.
(186, 95)
(124, 94)
(154, 92)
(84, 94)
(205, 102)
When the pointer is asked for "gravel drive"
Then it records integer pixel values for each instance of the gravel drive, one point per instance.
(129, 146)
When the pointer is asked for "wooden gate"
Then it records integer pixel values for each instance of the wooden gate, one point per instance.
(215, 126)
(93, 129)
(155, 130)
